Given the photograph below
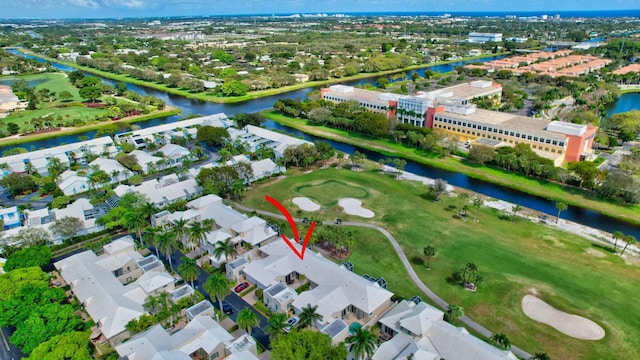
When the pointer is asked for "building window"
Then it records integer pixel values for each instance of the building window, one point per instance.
(555, 142)
(535, 138)
(511, 133)
(500, 132)
(528, 137)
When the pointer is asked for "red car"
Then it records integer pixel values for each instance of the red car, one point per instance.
(241, 287)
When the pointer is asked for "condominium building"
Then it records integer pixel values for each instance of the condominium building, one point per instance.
(481, 38)
(412, 109)
(559, 141)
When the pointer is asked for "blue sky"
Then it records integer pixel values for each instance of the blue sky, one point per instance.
(147, 8)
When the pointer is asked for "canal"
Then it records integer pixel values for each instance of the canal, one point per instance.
(191, 106)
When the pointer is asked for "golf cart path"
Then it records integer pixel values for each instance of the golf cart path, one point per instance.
(414, 277)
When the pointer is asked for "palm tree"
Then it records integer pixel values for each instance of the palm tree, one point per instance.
(180, 229)
(189, 270)
(309, 316)
(135, 221)
(148, 209)
(477, 204)
(429, 251)
(500, 341)
(617, 236)
(150, 233)
(225, 248)
(247, 320)
(197, 232)
(463, 198)
(363, 343)
(167, 242)
(218, 286)
(277, 324)
(561, 207)
(628, 239)
(453, 313)
(515, 209)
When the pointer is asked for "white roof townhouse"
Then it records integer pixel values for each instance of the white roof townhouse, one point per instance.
(202, 335)
(70, 183)
(420, 330)
(164, 192)
(255, 137)
(166, 132)
(97, 282)
(39, 159)
(43, 218)
(146, 160)
(113, 168)
(338, 292)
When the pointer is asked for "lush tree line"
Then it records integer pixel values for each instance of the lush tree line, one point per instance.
(40, 315)
(226, 180)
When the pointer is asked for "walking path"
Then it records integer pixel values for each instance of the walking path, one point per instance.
(414, 277)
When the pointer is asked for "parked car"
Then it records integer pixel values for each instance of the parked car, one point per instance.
(227, 308)
(338, 221)
(241, 287)
(291, 323)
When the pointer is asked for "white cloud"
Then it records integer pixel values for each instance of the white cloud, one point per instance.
(84, 3)
(129, 4)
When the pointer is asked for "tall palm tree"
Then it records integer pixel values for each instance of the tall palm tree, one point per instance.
(617, 236)
(197, 232)
(148, 209)
(500, 341)
(149, 235)
(218, 286)
(363, 343)
(477, 204)
(180, 228)
(629, 240)
(135, 221)
(561, 207)
(514, 210)
(309, 316)
(189, 270)
(167, 242)
(225, 248)
(209, 224)
(277, 324)
(429, 251)
(247, 320)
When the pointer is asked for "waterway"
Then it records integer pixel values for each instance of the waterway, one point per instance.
(191, 106)
(626, 102)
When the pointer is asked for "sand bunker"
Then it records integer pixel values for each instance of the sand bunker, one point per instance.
(305, 204)
(568, 324)
(354, 207)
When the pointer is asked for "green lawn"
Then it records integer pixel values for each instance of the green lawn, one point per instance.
(530, 185)
(57, 83)
(567, 271)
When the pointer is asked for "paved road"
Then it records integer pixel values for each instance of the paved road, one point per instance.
(7, 350)
(414, 277)
(236, 302)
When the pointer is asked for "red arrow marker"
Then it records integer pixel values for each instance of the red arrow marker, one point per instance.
(292, 224)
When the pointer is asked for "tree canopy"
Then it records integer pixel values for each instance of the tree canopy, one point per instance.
(39, 255)
(306, 344)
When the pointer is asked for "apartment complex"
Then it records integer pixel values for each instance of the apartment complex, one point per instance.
(481, 38)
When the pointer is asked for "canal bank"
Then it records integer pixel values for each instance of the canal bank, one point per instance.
(356, 79)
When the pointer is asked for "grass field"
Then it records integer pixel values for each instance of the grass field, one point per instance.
(565, 270)
(56, 83)
(530, 185)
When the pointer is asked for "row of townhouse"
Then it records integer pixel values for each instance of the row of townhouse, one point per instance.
(244, 232)
(113, 287)
(347, 301)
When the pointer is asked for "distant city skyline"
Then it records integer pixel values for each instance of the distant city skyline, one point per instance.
(57, 9)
